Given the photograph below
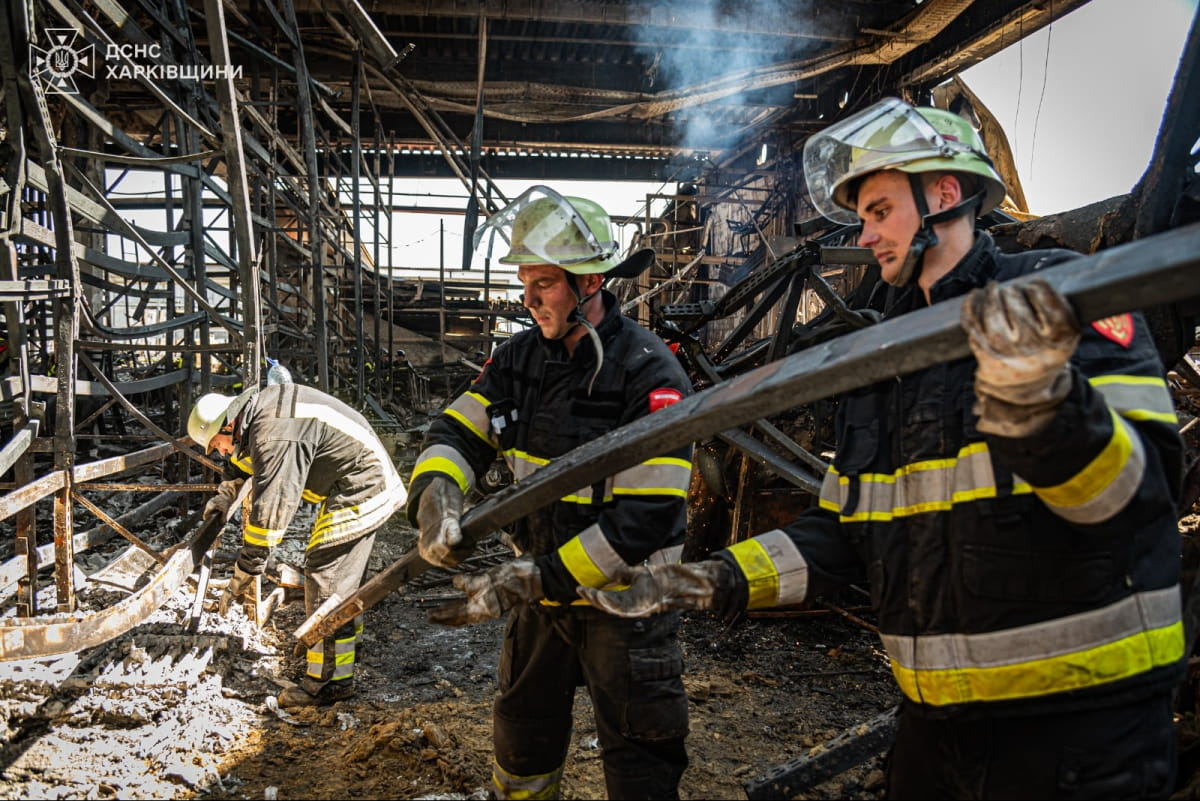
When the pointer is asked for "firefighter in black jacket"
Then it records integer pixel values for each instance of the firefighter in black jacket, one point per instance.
(544, 392)
(298, 443)
(1013, 513)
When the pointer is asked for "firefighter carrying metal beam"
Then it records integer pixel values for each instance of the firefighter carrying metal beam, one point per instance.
(298, 443)
(1013, 513)
(544, 392)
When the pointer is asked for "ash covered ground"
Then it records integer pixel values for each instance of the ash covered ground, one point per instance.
(161, 713)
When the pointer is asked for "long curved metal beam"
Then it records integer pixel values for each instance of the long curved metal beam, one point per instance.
(25, 638)
(1137, 275)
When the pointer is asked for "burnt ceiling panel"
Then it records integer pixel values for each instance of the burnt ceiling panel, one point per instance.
(652, 78)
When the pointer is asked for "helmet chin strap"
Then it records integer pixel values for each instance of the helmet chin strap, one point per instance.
(578, 317)
(925, 237)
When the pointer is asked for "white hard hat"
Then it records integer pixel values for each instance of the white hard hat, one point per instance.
(207, 417)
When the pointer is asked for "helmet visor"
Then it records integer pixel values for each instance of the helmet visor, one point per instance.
(886, 135)
(542, 225)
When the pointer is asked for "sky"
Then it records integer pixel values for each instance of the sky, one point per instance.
(1081, 100)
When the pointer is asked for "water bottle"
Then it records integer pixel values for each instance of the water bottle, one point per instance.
(277, 374)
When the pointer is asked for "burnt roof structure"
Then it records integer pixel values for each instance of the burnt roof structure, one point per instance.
(635, 86)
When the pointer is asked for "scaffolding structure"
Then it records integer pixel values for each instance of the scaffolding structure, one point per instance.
(170, 217)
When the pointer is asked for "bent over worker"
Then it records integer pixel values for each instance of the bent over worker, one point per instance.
(298, 443)
(583, 371)
(1013, 513)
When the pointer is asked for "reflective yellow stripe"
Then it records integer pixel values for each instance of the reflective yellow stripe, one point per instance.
(534, 788)
(1137, 397)
(470, 409)
(263, 537)
(1106, 484)
(311, 496)
(1106, 663)
(774, 568)
(523, 464)
(663, 475)
(1129, 636)
(440, 464)
(932, 485)
(682, 493)
(581, 566)
(243, 463)
(759, 571)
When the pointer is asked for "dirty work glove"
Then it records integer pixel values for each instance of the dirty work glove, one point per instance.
(657, 588)
(238, 587)
(491, 593)
(227, 492)
(438, 515)
(1022, 338)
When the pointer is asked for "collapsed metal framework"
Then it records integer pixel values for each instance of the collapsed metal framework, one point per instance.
(241, 219)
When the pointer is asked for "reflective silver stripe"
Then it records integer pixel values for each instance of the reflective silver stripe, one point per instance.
(344, 657)
(262, 537)
(470, 409)
(658, 476)
(590, 557)
(1143, 611)
(508, 785)
(1106, 485)
(394, 494)
(524, 464)
(1137, 397)
(666, 556)
(775, 571)
(445, 459)
(927, 486)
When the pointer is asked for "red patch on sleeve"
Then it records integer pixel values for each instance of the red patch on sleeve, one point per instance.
(662, 398)
(1118, 328)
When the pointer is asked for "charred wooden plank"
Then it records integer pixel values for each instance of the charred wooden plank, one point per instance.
(851, 747)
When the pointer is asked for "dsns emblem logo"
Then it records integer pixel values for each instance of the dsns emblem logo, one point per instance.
(66, 57)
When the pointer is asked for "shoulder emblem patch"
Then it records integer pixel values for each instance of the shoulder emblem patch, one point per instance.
(1118, 328)
(664, 397)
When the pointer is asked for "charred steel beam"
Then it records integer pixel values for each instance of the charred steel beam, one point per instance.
(32, 492)
(66, 325)
(21, 439)
(1160, 189)
(769, 459)
(12, 571)
(107, 520)
(822, 763)
(308, 144)
(119, 464)
(822, 21)
(235, 165)
(986, 28)
(146, 421)
(27, 638)
(1132, 276)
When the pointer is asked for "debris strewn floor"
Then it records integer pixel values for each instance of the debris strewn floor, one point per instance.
(159, 713)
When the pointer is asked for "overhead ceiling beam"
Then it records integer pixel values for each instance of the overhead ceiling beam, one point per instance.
(819, 21)
(959, 53)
